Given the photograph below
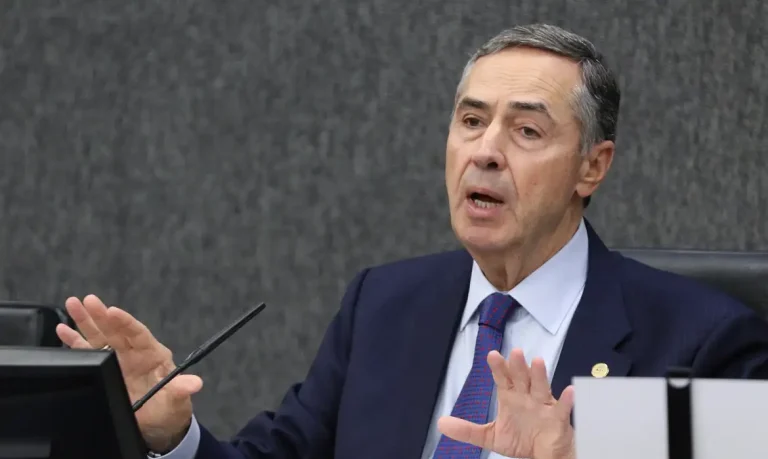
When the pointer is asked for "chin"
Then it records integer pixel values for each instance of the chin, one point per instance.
(483, 240)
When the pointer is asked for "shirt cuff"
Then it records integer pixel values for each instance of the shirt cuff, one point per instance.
(187, 449)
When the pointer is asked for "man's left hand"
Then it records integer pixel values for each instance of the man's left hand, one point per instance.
(530, 422)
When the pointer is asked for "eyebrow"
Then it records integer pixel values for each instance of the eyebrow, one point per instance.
(468, 102)
(526, 106)
(537, 107)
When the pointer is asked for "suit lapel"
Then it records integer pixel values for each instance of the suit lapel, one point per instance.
(599, 324)
(437, 310)
(598, 327)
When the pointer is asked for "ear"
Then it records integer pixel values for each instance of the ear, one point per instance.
(594, 167)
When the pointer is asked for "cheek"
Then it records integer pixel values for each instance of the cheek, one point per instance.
(453, 182)
(542, 181)
(455, 163)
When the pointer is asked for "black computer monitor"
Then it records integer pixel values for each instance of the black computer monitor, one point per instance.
(58, 403)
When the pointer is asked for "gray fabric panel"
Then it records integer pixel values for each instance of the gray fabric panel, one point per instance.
(187, 159)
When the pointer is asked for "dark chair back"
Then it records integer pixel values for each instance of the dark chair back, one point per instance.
(742, 275)
(31, 324)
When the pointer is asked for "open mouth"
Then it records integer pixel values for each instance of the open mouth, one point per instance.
(484, 201)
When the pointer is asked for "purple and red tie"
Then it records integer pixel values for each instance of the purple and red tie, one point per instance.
(475, 397)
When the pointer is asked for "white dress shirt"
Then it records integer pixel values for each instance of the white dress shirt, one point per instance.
(548, 298)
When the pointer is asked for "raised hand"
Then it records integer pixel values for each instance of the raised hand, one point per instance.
(530, 422)
(144, 361)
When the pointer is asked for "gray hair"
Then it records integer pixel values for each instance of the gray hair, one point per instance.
(595, 101)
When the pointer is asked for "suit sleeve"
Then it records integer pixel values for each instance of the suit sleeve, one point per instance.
(736, 349)
(304, 424)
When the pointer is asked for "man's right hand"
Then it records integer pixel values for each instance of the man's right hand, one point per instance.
(144, 361)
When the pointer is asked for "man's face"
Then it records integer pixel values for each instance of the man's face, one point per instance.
(513, 162)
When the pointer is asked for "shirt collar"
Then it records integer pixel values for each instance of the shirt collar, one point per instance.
(548, 293)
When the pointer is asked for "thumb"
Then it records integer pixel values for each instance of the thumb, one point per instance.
(184, 386)
(466, 432)
(565, 404)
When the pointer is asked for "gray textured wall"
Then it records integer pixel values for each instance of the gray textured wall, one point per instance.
(186, 159)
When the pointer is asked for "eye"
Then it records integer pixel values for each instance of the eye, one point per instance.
(530, 133)
(471, 121)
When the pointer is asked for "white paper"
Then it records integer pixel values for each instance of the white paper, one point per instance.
(627, 418)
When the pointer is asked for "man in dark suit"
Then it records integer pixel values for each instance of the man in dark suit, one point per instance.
(412, 366)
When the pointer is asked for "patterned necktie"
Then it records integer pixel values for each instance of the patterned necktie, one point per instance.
(475, 397)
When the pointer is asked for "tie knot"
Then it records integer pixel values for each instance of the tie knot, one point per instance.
(495, 309)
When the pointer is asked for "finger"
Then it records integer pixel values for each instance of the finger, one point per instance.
(184, 386)
(178, 390)
(90, 331)
(565, 404)
(71, 338)
(98, 313)
(518, 369)
(540, 389)
(500, 371)
(134, 333)
(480, 435)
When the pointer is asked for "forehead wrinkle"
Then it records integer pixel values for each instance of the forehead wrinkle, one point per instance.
(515, 86)
(524, 74)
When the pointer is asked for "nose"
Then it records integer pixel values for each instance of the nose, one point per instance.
(489, 160)
(489, 155)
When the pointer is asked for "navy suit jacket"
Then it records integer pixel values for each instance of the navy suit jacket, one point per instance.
(372, 388)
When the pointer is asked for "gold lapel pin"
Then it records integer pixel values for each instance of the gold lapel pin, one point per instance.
(600, 370)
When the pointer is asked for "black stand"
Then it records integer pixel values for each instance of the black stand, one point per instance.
(679, 426)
